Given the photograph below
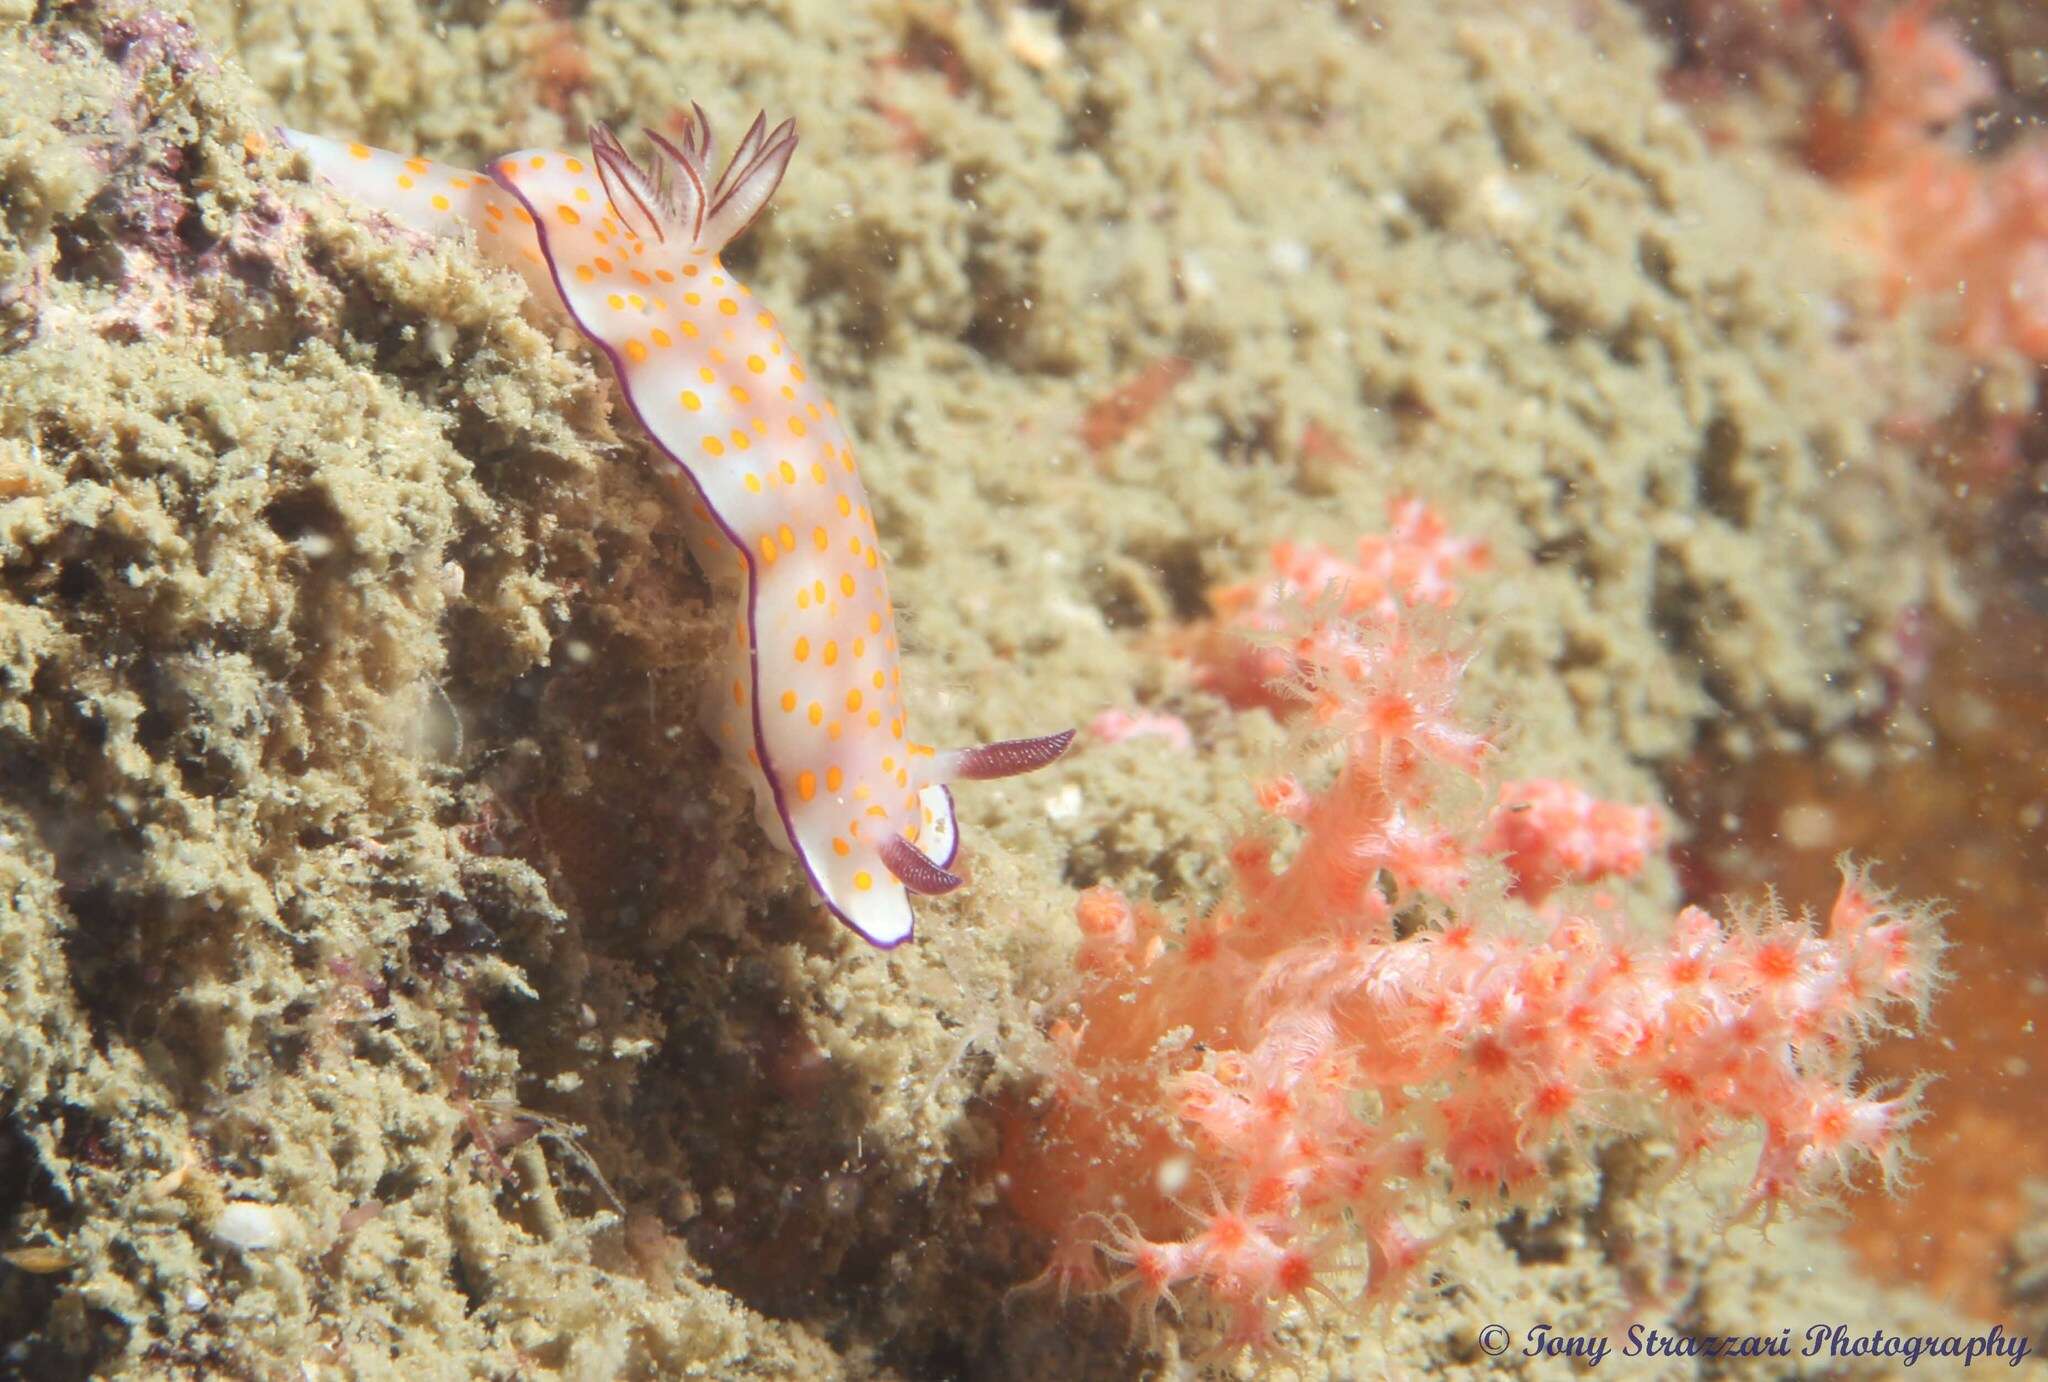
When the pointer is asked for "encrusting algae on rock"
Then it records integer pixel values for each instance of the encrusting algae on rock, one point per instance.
(361, 842)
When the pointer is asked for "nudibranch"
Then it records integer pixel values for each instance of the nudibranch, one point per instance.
(809, 703)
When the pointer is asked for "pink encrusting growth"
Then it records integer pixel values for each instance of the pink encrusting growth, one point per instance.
(1120, 726)
(1285, 1096)
(1943, 221)
(809, 704)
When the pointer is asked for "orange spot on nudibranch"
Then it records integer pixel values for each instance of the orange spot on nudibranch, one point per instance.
(807, 784)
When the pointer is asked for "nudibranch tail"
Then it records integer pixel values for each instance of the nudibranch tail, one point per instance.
(808, 703)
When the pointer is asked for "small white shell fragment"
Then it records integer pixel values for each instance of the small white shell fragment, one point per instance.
(253, 1227)
(1065, 804)
(1289, 256)
(1172, 1175)
(1503, 205)
(1030, 36)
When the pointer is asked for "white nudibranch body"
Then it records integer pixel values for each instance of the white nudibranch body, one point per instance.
(809, 704)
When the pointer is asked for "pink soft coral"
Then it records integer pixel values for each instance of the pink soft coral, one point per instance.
(1367, 1034)
(1418, 562)
(1551, 833)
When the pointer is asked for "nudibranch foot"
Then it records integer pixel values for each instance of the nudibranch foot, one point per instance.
(808, 703)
